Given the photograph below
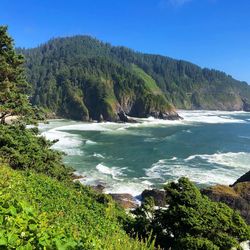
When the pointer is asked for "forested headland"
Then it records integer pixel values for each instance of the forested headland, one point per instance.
(83, 78)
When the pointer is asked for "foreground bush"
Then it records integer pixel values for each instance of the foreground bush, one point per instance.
(192, 221)
(23, 149)
(38, 212)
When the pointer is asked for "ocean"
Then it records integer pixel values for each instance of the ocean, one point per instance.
(209, 147)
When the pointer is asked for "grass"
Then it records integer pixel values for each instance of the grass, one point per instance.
(148, 80)
(221, 189)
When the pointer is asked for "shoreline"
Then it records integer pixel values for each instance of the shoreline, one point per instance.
(69, 143)
(58, 117)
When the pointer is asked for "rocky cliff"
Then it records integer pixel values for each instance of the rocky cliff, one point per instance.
(237, 196)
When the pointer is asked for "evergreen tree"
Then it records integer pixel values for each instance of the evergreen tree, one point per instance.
(13, 83)
(191, 221)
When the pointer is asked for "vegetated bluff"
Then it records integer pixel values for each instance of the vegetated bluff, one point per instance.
(82, 78)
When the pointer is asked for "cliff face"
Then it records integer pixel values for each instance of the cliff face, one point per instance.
(82, 78)
(237, 196)
(243, 178)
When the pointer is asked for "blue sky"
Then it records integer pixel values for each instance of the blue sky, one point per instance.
(210, 33)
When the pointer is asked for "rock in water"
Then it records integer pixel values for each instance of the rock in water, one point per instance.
(171, 115)
(124, 118)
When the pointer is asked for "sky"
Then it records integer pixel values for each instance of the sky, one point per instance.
(210, 33)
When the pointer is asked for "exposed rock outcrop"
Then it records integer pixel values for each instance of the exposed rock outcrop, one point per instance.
(171, 115)
(76, 176)
(236, 197)
(243, 178)
(99, 188)
(126, 201)
(124, 118)
(246, 106)
(159, 196)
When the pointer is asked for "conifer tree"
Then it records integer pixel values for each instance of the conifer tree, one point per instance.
(13, 83)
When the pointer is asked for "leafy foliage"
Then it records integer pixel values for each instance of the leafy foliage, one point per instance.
(191, 221)
(13, 84)
(22, 148)
(38, 212)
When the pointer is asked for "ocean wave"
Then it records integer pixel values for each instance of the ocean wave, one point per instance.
(239, 160)
(133, 187)
(190, 117)
(98, 155)
(211, 117)
(173, 158)
(187, 131)
(219, 168)
(244, 137)
(113, 171)
(89, 142)
(152, 139)
(103, 176)
(67, 143)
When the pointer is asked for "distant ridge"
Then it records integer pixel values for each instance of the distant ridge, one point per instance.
(83, 78)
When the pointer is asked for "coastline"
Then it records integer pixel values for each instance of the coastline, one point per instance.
(100, 171)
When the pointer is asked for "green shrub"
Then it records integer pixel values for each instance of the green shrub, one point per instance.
(22, 149)
(37, 211)
(192, 221)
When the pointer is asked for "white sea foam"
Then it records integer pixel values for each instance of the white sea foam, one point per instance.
(103, 175)
(212, 117)
(151, 139)
(187, 131)
(98, 155)
(84, 126)
(113, 171)
(173, 158)
(223, 168)
(89, 142)
(148, 183)
(190, 117)
(130, 187)
(244, 137)
(239, 160)
(67, 143)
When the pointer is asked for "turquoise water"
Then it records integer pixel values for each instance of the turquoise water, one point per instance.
(209, 147)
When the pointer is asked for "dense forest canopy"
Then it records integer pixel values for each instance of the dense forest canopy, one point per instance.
(82, 78)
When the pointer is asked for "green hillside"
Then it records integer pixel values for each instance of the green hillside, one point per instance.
(76, 78)
(38, 212)
(149, 81)
(82, 78)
